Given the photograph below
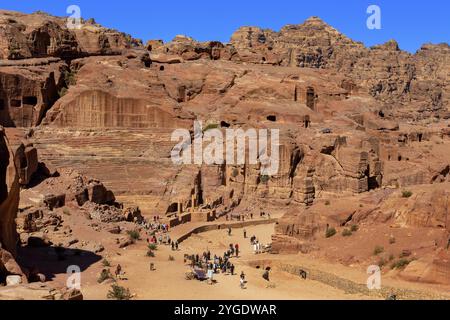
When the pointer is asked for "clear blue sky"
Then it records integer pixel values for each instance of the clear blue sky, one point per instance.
(411, 23)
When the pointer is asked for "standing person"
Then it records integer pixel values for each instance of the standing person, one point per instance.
(245, 234)
(229, 231)
(236, 247)
(176, 245)
(232, 269)
(242, 280)
(118, 271)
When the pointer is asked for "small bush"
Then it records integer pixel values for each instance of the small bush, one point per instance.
(400, 264)
(392, 240)
(66, 212)
(407, 194)
(354, 228)
(134, 235)
(104, 275)
(150, 253)
(106, 263)
(264, 178)
(382, 262)
(119, 293)
(378, 250)
(391, 257)
(327, 203)
(211, 126)
(153, 246)
(171, 258)
(346, 233)
(235, 173)
(62, 92)
(330, 232)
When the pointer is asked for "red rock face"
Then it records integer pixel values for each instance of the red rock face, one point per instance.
(9, 195)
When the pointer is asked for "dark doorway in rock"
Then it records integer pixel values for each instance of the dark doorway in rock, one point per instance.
(310, 98)
(400, 158)
(172, 208)
(381, 114)
(161, 68)
(373, 183)
(224, 124)
(307, 122)
(272, 118)
(15, 103)
(2, 104)
(420, 137)
(30, 100)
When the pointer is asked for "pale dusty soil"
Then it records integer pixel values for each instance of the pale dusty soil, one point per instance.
(168, 281)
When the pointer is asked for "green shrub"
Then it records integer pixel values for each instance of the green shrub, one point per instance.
(235, 173)
(134, 235)
(400, 264)
(327, 203)
(378, 250)
(354, 228)
(104, 275)
(264, 178)
(171, 258)
(392, 240)
(106, 263)
(62, 92)
(66, 211)
(150, 253)
(153, 246)
(211, 126)
(119, 293)
(330, 232)
(407, 194)
(382, 262)
(346, 233)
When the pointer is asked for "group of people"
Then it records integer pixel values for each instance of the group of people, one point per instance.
(217, 264)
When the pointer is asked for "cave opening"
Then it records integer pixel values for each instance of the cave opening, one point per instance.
(373, 183)
(307, 122)
(310, 98)
(224, 124)
(30, 100)
(15, 103)
(172, 208)
(420, 137)
(272, 118)
(2, 104)
(161, 68)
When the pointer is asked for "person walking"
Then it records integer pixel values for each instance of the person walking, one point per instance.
(236, 247)
(245, 234)
(232, 269)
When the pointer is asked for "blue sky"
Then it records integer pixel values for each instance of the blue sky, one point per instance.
(411, 23)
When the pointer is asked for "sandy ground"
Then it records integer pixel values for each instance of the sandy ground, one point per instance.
(168, 281)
